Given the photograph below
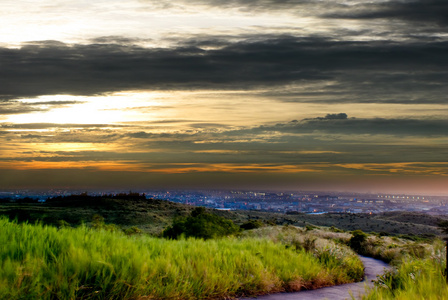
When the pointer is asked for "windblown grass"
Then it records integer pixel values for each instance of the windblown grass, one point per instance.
(415, 277)
(393, 249)
(341, 262)
(41, 262)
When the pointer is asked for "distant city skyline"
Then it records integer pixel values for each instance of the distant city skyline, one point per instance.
(289, 202)
(257, 94)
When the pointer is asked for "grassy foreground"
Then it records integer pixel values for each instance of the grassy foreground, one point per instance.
(414, 279)
(418, 265)
(415, 276)
(42, 262)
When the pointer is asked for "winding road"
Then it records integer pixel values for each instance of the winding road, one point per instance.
(372, 267)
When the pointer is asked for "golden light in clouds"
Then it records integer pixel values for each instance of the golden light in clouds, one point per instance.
(109, 109)
(234, 108)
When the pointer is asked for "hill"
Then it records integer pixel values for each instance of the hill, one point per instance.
(152, 215)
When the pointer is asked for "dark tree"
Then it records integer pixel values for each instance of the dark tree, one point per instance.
(200, 224)
(251, 224)
(357, 241)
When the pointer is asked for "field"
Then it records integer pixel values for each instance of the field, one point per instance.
(111, 248)
(44, 262)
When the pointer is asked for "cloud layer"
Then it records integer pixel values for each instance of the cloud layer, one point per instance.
(282, 92)
(405, 73)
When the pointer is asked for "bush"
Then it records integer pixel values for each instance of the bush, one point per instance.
(132, 230)
(357, 242)
(98, 223)
(251, 224)
(335, 229)
(200, 224)
(310, 227)
(63, 224)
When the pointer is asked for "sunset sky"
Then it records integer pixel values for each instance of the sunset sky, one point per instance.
(270, 94)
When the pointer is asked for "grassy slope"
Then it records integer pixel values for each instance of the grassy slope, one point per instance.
(416, 276)
(364, 222)
(41, 262)
(153, 215)
(149, 215)
(416, 218)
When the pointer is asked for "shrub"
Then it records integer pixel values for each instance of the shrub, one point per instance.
(335, 229)
(309, 243)
(132, 230)
(357, 242)
(310, 227)
(98, 223)
(200, 224)
(63, 224)
(251, 224)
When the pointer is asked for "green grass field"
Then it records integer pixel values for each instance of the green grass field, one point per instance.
(44, 262)
(81, 262)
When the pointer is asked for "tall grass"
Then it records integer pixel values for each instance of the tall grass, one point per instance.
(415, 277)
(340, 261)
(393, 249)
(40, 262)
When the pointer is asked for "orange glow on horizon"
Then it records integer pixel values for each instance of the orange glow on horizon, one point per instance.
(172, 168)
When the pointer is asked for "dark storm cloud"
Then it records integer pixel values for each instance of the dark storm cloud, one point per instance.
(260, 5)
(114, 39)
(54, 104)
(422, 11)
(340, 116)
(245, 5)
(54, 68)
(341, 124)
(307, 132)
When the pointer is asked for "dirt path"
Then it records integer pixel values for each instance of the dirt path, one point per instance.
(372, 267)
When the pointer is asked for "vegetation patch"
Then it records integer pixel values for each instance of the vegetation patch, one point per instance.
(341, 262)
(200, 224)
(44, 262)
(414, 278)
(152, 216)
(391, 249)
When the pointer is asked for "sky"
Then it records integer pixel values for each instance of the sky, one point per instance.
(347, 95)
